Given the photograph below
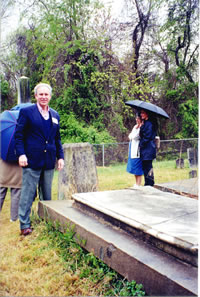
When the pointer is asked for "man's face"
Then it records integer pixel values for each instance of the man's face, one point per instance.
(43, 96)
(144, 115)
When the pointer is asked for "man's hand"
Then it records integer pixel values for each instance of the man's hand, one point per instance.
(23, 161)
(60, 164)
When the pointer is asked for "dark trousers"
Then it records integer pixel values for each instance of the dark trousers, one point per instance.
(15, 196)
(148, 172)
(30, 180)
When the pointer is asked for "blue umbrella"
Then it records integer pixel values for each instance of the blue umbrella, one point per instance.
(21, 105)
(156, 110)
(8, 122)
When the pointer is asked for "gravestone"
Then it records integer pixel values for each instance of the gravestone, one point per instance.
(79, 174)
(180, 163)
(24, 94)
(193, 174)
(192, 157)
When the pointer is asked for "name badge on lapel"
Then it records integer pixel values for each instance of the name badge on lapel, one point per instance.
(54, 120)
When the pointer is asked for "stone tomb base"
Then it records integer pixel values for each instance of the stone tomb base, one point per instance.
(145, 234)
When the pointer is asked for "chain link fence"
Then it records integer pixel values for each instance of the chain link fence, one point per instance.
(175, 149)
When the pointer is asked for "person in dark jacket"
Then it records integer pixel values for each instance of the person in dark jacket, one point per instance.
(147, 146)
(38, 145)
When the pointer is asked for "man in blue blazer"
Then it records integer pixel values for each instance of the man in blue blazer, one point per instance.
(38, 145)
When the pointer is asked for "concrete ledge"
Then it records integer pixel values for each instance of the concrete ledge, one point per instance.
(166, 189)
(164, 220)
(186, 187)
(154, 239)
(160, 273)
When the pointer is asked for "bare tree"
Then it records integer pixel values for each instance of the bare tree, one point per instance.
(139, 32)
(5, 10)
(183, 53)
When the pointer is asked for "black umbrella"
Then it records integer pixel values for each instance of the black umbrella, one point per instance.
(138, 104)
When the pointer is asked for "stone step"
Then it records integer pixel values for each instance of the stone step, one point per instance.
(160, 273)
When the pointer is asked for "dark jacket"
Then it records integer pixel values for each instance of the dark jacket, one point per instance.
(147, 141)
(41, 145)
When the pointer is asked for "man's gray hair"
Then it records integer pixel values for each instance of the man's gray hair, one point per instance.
(42, 85)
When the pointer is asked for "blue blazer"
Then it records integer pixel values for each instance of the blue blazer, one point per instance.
(147, 141)
(41, 145)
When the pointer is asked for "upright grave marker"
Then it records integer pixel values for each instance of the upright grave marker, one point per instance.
(79, 174)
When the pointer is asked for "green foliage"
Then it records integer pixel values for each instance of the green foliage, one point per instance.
(91, 85)
(4, 87)
(179, 99)
(189, 115)
(6, 102)
(184, 100)
(74, 130)
(92, 96)
(124, 288)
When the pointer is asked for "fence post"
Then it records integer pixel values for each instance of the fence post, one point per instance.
(103, 154)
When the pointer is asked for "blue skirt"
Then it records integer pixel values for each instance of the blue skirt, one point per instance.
(134, 166)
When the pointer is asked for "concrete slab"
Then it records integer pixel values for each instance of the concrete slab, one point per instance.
(159, 214)
(160, 273)
(186, 187)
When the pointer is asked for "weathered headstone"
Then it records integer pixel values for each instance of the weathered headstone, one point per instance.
(79, 174)
(180, 163)
(193, 174)
(24, 94)
(192, 157)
